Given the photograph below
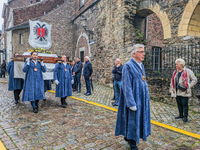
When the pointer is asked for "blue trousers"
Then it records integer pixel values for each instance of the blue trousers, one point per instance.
(78, 81)
(87, 81)
(117, 87)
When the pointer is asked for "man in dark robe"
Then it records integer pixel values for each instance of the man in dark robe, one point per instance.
(64, 80)
(15, 84)
(133, 117)
(33, 90)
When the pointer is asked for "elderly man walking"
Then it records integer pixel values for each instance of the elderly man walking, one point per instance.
(87, 72)
(133, 118)
(117, 72)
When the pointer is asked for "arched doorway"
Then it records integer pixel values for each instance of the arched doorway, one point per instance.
(82, 47)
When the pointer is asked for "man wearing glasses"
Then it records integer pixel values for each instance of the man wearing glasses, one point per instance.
(133, 118)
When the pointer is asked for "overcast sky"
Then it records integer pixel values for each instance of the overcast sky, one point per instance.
(1, 7)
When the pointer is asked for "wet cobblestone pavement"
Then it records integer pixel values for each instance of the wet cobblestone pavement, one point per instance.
(80, 126)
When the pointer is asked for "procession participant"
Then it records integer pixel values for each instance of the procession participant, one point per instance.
(133, 117)
(33, 82)
(15, 84)
(77, 74)
(87, 72)
(64, 80)
(47, 86)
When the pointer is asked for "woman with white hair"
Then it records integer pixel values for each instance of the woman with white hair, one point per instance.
(182, 81)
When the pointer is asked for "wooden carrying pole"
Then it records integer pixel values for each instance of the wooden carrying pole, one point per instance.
(45, 59)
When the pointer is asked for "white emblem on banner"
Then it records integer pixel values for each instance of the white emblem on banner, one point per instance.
(40, 34)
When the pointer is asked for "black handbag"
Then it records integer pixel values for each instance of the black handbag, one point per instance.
(181, 87)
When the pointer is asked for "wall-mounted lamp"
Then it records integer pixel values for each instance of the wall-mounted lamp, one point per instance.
(84, 25)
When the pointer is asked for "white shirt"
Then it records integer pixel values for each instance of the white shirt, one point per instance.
(35, 62)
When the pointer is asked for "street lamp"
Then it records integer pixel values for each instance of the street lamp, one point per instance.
(84, 25)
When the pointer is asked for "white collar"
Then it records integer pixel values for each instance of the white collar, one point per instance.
(139, 63)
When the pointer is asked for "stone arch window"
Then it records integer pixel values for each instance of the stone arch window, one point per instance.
(149, 7)
(190, 21)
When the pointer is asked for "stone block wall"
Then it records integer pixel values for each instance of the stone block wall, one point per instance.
(159, 91)
(33, 11)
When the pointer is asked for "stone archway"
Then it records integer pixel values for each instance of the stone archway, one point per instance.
(190, 21)
(83, 45)
(153, 7)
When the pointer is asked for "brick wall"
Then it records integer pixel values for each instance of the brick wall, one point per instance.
(155, 35)
(33, 11)
(61, 33)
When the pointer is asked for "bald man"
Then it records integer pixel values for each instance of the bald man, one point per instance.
(117, 72)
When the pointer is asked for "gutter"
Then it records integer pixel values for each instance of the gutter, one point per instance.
(94, 3)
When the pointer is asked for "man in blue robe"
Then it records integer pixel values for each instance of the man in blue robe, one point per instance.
(133, 117)
(47, 86)
(33, 82)
(64, 80)
(77, 74)
(87, 72)
(15, 84)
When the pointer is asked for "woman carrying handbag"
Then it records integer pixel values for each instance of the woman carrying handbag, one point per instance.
(183, 79)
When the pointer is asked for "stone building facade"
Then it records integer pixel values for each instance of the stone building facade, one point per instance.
(114, 24)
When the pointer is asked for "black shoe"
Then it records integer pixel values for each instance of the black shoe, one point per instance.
(112, 99)
(44, 99)
(87, 94)
(16, 101)
(78, 91)
(125, 139)
(114, 104)
(63, 106)
(74, 90)
(178, 117)
(35, 110)
(185, 119)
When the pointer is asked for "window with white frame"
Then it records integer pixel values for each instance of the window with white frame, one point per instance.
(81, 2)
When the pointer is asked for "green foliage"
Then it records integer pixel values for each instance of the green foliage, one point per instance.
(196, 75)
(140, 37)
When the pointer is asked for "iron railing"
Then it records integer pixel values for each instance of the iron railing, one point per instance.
(161, 61)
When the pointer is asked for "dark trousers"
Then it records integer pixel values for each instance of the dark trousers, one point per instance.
(63, 102)
(2, 74)
(182, 106)
(78, 81)
(133, 144)
(87, 81)
(74, 85)
(16, 94)
(34, 104)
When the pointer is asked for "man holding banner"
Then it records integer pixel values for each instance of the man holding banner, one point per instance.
(33, 82)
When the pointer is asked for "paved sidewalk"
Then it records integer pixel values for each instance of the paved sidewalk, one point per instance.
(82, 126)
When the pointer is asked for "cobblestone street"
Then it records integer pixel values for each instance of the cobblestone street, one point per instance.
(84, 126)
